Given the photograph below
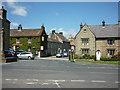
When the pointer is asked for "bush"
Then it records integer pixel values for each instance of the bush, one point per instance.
(76, 56)
(92, 57)
(110, 59)
(87, 57)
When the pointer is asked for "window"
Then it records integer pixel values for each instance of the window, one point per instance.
(42, 47)
(85, 51)
(17, 40)
(84, 30)
(110, 42)
(29, 48)
(29, 40)
(42, 38)
(85, 41)
(111, 52)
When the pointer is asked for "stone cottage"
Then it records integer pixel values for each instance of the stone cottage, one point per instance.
(104, 38)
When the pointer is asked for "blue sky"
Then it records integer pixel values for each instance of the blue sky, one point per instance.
(61, 16)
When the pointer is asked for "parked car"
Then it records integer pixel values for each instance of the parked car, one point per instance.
(20, 51)
(26, 55)
(10, 55)
(65, 54)
(59, 55)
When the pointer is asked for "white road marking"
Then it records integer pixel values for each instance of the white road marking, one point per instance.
(117, 82)
(57, 80)
(15, 79)
(97, 81)
(30, 83)
(44, 83)
(7, 79)
(35, 80)
(57, 84)
(77, 80)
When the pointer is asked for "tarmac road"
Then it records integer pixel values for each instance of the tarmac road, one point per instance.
(54, 73)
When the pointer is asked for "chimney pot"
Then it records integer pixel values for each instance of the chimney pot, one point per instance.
(61, 33)
(81, 26)
(118, 22)
(53, 31)
(20, 27)
(103, 23)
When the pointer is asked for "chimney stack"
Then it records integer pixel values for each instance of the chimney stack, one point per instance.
(20, 27)
(42, 27)
(103, 23)
(53, 31)
(61, 33)
(81, 26)
(118, 22)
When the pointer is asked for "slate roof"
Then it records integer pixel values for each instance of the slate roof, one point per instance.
(106, 31)
(62, 37)
(26, 32)
(53, 40)
(53, 36)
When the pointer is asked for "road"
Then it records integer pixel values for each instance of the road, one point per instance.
(49, 73)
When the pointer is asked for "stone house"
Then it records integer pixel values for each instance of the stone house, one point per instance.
(4, 30)
(58, 43)
(92, 38)
(52, 46)
(33, 40)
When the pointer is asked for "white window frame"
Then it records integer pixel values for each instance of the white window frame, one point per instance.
(17, 40)
(85, 41)
(85, 51)
(111, 52)
(110, 42)
(29, 40)
(43, 38)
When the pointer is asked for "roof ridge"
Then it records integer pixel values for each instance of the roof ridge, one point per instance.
(102, 25)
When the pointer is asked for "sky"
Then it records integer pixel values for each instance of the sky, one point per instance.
(61, 16)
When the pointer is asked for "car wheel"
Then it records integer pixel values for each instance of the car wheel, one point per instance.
(29, 58)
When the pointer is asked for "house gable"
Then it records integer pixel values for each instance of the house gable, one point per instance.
(85, 39)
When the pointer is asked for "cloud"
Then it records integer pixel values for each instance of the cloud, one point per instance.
(68, 32)
(1, 4)
(17, 10)
(52, 29)
(14, 24)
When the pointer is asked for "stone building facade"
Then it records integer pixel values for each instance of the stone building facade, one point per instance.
(33, 40)
(4, 30)
(58, 43)
(53, 46)
(92, 38)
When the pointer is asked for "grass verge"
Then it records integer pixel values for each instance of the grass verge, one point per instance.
(99, 62)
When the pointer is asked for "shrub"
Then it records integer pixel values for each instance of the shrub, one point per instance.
(110, 59)
(76, 56)
(92, 57)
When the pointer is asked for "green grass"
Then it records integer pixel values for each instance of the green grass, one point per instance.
(99, 62)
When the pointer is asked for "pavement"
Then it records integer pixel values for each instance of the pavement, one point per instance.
(53, 73)
(52, 58)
